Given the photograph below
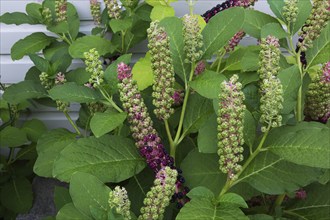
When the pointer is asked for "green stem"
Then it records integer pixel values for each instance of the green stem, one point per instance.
(11, 155)
(299, 99)
(170, 139)
(221, 54)
(184, 106)
(230, 183)
(72, 123)
(109, 99)
(277, 203)
(123, 42)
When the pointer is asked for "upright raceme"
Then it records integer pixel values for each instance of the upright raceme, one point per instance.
(270, 86)
(315, 23)
(113, 8)
(158, 198)
(193, 39)
(230, 126)
(118, 199)
(94, 67)
(61, 10)
(317, 105)
(95, 7)
(162, 67)
(234, 41)
(290, 11)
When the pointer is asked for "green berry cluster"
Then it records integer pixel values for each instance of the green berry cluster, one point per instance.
(270, 87)
(95, 8)
(118, 199)
(113, 8)
(230, 126)
(317, 20)
(290, 11)
(94, 67)
(162, 67)
(317, 105)
(193, 39)
(159, 196)
(47, 15)
(61, 10)
(45, 80)
(94, 107)
(129, 3)
(62, 106)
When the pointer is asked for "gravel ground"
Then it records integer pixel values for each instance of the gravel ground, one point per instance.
(43, 205)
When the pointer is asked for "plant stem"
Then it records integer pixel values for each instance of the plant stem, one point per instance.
(123, 42)
(170, 139)
(72, 123)
(277, 203)
(109, 99)
(230, 183)
(11, 155)
(221, 54)
(299, 99)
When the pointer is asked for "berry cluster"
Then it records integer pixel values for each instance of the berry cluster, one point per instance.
(94, 67)
(114, 10)
(45, 80)
(200, 67)
(47, 15)
(193, 39)
(290, 11)
(317, 105)
(95, 8)
(61, 10)
(230, 126)
(234, 41)
(158, 198)
(118, 199)
(163, 70)
(270, 88)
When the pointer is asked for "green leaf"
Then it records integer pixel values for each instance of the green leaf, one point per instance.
(49, 147)
(20, 92)
(290, 79)
(250, 127)
(69, 211)
(307, 146)
(203, 170)
(234, 60)
(95, 193)
(16, 195)
(110, 158)
(159, 2)
(315, 206)
(272, 175)
(221, 28)
(198, 110)
(200, 192)
(79, 76)
(208, 84)
(277, 7)
(73, 20)
(102, 123)
(34, 129)
(233, 199)
(12, 137)
(142, 72)
(201, 208)
(173, 27)
(250, 61)
(71, 92)
(261, 217)
(34, 10)
(207, 139)
(42, 64)
(120, 24)
(30, 44)
(61, 197)
(319, 53)
(84, 44)
(159, 12)
(254, 21)
(17, 18)
(304, 10)
(274, 29)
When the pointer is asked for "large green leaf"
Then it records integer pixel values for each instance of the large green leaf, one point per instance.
(34, 10)
(49, 147)
(71, 92)
(159, 12)
(249, 130)
(207, 136)
(173, 27)
(84, 44)
(69, 211)
(142, 72)
(16, 195)
(24, 90)
(304, 10)
(272, 175)
(304, 145)
(315, 206)
(61, 197)
(102, 123)
(255, 20)
(30, 44)
(274, 29)
(203, 170)
(208, 84)
(17, 18)
(291, 81)
(110, 158)
(198, 110)
(221, 28)
(12, 137)
(277, 7)
(95, 194)
(34, 129)
(319, 53)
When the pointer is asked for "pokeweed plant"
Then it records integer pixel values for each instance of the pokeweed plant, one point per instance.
(200, 127)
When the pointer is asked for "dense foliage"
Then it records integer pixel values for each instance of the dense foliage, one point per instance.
(199, 128)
